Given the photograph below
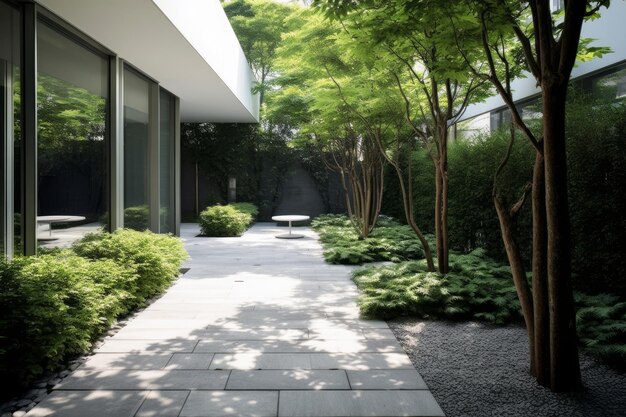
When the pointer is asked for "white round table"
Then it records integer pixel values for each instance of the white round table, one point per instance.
(290, 218)
(55, 219)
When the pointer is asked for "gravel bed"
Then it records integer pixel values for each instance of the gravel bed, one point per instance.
(475, 369)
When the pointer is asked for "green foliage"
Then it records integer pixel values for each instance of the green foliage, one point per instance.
(52, 307)
(389, 241)
(247, 208)
(601, 325)
(476, 288)
(223, 221)
(154, 258)
(136, 217)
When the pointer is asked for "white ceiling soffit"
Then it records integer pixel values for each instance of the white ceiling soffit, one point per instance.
(188, 46)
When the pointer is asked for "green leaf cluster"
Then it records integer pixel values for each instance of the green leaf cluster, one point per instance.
(229, 220)
(53, 306)
(389, 241)
(476, 288)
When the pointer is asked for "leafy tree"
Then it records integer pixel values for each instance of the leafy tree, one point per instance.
(433, 79)
(318, 80)
(259, 25)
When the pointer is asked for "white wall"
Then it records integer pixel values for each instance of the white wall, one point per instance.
(609, 30)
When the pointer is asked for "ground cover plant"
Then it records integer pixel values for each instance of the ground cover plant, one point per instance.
(55, 305)
(389, 241)
(228, 220)
(477, 287)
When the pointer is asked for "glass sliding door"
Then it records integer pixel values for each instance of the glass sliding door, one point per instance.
(72, 103)
(136, 150)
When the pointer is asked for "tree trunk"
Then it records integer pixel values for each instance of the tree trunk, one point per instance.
(444, 259)
(564, 365)
(541, 354)
(507, 228)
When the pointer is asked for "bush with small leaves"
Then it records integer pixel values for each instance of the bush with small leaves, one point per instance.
(223, 221)
(154, 258)
(248, 208)
(52, 307)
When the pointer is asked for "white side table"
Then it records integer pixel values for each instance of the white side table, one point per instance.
(290, 218)
(55, 219)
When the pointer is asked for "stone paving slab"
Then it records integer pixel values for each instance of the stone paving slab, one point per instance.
(145, 380)
(357, 404)
(386, 379)
(231, 403)
(162, 404)
(126, 361)
(360, 361)
(102, 403)
(287, 379)
(258, 326)
(261, 361)
(299, 346)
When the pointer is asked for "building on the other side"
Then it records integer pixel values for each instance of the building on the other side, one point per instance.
(600, 76)
(92, 94)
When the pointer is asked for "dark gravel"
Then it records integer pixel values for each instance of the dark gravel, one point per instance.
(475, 369)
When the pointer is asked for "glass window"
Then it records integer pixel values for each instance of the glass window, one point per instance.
(136, 158)
(72, 101)
(469, 128)
(610, 86)
(166, 165)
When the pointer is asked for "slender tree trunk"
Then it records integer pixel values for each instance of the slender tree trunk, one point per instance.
(438, 191)
(440, 161)
(564, 369)
(541, 354)
(507, 228)
(407, 200)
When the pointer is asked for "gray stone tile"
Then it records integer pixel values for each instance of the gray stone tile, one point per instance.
(89, 403)
(126, 361)
(275, 334)
(297, 346)
(231, 403)
(379, 334)
(261, 361)
(386, 379)
(163, 404)
(164, 379)
(360, 361)
(287, 379)
(357, 403)
(140, 346)
(190, 361)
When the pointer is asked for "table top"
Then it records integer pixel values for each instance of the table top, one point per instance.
(60, 218)
(290, 218)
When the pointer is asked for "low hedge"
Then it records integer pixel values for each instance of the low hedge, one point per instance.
(54, 305)
(229, 220)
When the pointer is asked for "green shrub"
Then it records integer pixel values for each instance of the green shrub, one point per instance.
(52, 307)
(154, 258)
(136, 217)
(223, 221)
(248, 208)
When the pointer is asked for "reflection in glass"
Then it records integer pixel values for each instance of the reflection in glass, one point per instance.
(166, 144)
(136, 136)
(9, 118)
(72, 94)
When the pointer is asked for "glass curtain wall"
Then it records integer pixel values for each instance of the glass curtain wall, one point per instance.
(72, 102)
(136, 148)
(166, 162)
(9, 126)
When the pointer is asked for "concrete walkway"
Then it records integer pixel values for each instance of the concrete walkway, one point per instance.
(258, 326)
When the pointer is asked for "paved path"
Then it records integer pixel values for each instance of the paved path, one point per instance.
(259, 326)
